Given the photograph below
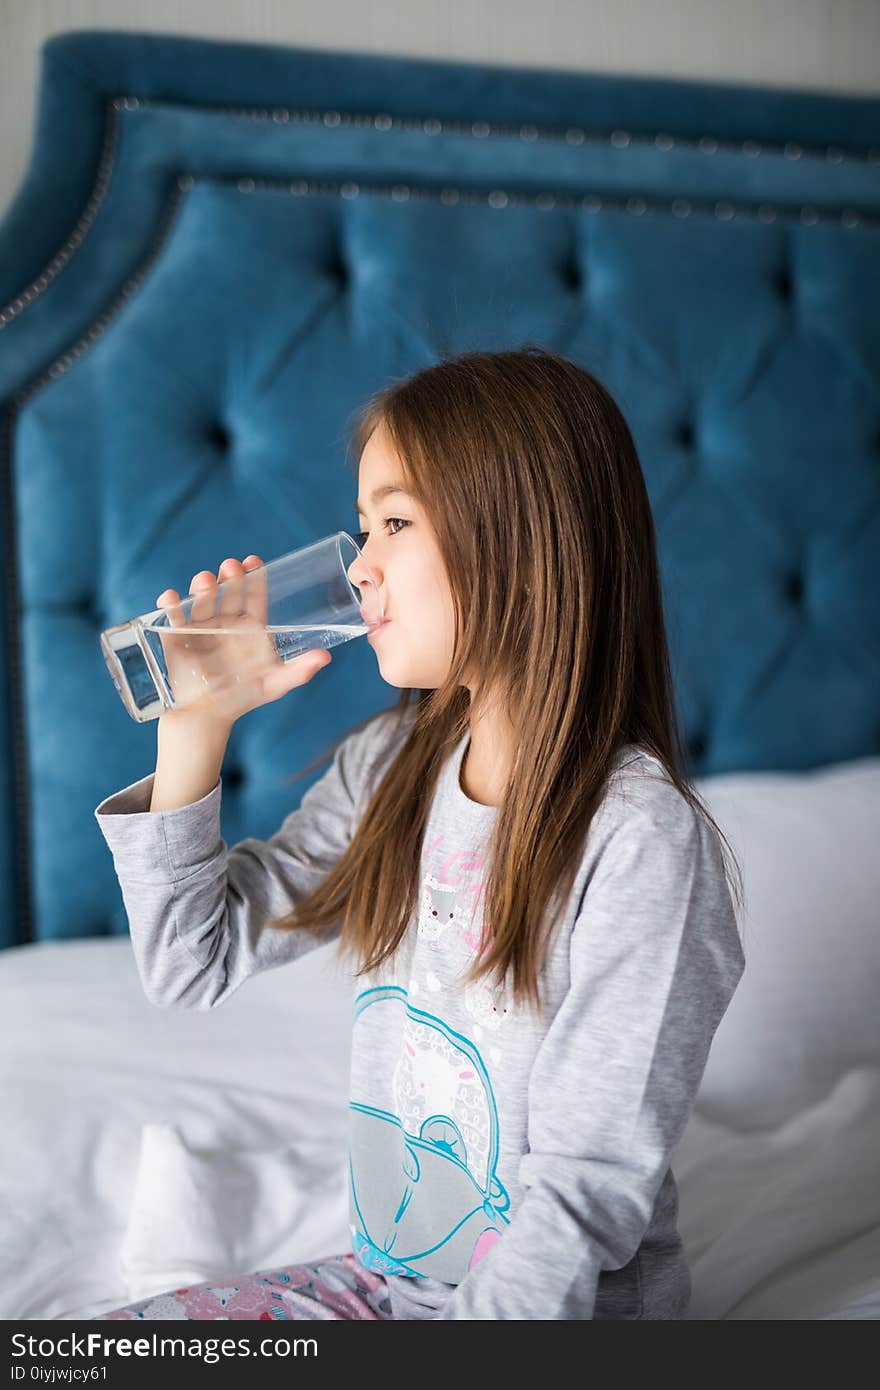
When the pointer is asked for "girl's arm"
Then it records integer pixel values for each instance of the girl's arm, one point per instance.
(189, 759)
(196, 910)
(655, 957)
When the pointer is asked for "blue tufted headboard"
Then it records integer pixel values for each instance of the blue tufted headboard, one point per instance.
(220, 249)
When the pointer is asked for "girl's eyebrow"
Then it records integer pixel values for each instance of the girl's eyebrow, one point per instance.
(382, 491)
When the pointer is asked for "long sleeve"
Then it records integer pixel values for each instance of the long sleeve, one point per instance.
(197, 910)
(655, 958)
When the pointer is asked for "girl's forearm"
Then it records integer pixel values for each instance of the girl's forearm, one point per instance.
(188, 761)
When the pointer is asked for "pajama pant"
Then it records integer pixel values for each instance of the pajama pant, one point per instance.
(336, 1287)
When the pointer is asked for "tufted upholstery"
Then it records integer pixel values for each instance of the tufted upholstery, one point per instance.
(220, 249)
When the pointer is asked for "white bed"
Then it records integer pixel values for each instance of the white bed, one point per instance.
(148, 1149)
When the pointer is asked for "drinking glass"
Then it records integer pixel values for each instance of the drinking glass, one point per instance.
(164, 660)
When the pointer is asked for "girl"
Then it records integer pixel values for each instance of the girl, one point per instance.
(534, 898)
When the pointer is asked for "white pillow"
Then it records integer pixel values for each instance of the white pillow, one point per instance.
(806, 1009)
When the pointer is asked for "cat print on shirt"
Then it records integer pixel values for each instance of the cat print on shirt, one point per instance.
(486, 1003)
(437, 908)
(445, 908)
(451, 910)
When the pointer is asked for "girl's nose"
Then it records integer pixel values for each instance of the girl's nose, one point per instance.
(367, 581)
(361, 575)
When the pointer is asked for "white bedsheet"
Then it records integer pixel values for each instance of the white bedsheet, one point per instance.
(88, 1063)
(148, 1149)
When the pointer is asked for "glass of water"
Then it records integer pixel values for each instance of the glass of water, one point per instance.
(268, 615)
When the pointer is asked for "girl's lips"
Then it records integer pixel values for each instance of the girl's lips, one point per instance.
(378, 628)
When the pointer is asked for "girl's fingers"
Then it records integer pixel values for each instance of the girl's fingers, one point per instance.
(170, 599)
(204, 587)
(248, 596)
(256, 598)
(298, 671)
(231, 602)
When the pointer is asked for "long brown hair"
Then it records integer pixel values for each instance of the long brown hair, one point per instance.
(529, 475)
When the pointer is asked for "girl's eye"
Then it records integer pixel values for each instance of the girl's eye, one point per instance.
(361, 536)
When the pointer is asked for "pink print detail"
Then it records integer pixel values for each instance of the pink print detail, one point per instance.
(458, 867)
(474, 938)
(468, 862)
(336, 1287)
(483, 1246)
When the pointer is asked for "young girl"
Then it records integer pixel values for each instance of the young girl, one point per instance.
(533, 896)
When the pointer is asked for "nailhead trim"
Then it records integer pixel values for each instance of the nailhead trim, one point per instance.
(481, 130)
(573, 135)
(496, 198)
(501, 198)
(131, 286)
(83, 226)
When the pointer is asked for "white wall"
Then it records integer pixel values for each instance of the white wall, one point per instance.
(824, 45)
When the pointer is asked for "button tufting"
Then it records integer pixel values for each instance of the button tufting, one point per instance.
(220, 436)
(794, 588)
(571, 275)
(686, 435)
(234, 777)
(88, 609)
(783, 284)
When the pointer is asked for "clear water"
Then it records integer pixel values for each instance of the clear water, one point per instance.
(290, 641)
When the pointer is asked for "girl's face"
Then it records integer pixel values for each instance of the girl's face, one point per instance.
(414, 648)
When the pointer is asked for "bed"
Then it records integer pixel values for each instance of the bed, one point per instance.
(217, 252)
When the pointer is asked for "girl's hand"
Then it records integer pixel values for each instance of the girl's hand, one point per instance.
(218, 678)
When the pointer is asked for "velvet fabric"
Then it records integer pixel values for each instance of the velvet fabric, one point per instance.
(220, 249)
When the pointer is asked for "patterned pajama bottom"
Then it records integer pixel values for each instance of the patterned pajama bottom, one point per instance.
(337, 1287)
